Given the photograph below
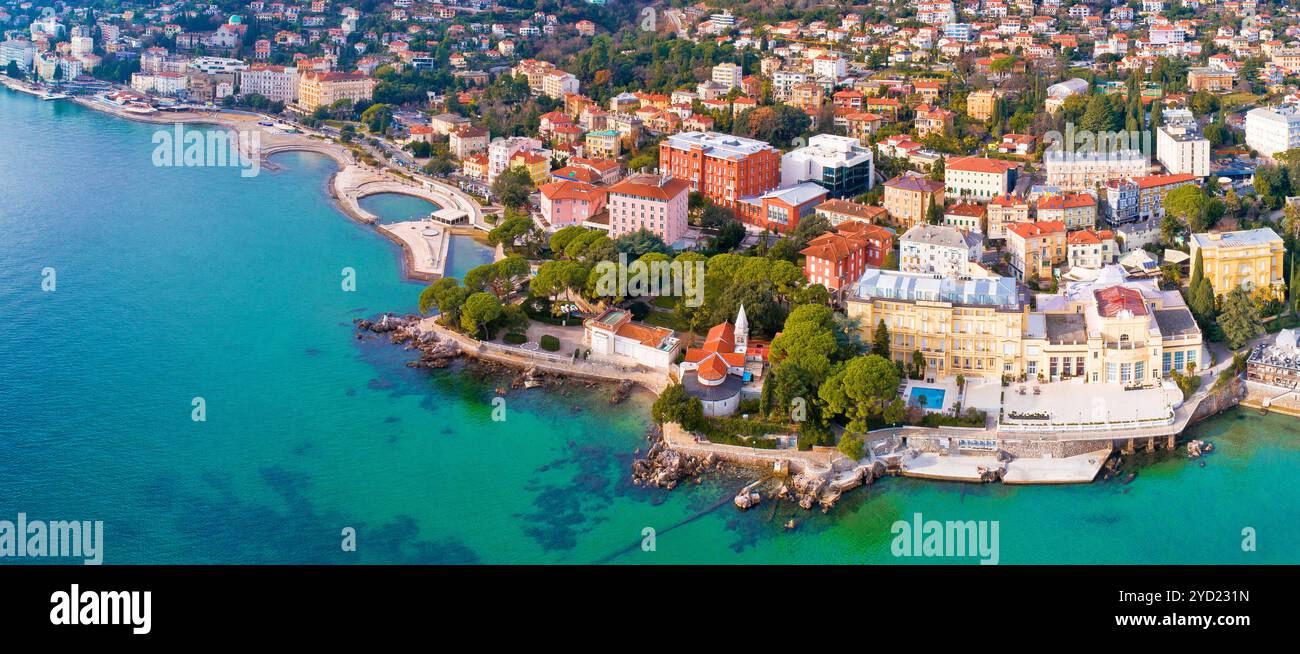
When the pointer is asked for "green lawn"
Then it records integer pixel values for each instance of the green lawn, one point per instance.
(665, 319)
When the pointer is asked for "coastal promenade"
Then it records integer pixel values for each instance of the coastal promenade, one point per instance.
(518, 357)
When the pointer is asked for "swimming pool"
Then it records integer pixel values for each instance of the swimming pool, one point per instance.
(933, 398)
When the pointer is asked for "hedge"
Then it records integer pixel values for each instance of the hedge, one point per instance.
(515, 339)
(549, 343)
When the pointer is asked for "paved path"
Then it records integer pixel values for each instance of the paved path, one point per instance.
(652, 380)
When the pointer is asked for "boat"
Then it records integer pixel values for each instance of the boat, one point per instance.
(54, 96)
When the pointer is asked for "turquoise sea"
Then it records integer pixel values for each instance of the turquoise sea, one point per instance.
(182, 283)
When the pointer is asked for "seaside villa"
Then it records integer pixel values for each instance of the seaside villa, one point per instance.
(613, 334)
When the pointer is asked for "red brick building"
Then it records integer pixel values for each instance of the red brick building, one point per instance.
(724, 168)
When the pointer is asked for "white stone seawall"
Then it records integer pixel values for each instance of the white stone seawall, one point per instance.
(546, 361)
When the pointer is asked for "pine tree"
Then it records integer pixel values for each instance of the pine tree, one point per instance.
(1239, 320)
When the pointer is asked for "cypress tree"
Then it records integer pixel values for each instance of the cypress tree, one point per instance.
(1198, 270)
(880, 344)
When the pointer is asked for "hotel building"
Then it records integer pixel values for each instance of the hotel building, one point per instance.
(724, 168)
(1250, 259)
(1270, 130)
(657, 204)
(275, 83)
(1109, 330)
(317, 89)
(972, 327)
(1082, 171)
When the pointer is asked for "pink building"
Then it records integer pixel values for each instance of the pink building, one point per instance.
(569, 202)
(650, 202)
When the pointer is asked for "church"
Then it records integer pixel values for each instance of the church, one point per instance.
(715, 373)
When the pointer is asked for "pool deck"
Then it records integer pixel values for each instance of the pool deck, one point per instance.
(946, 386)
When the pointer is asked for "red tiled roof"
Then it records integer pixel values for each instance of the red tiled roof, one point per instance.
(1031, 230)
(1111, 301)
(721, 338)
(978, 165)
(1071, 201)
(1151, 181)
(647, 186)
(1090, 237)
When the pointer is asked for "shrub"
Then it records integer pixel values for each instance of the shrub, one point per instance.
(549, 343)
(639, 310)
(515, 339)
(851, 446)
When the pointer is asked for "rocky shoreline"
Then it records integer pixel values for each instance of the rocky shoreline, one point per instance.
(437, 352)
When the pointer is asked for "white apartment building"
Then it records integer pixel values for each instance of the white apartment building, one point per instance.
(829, 65)
(82, 46)
(1270, 130)
(275, 83)
(1180, 146)
(557, 83)
(938, 250)
(21, 52)
(502, 150)
(728, 74)
(784, 81)
(978, 178)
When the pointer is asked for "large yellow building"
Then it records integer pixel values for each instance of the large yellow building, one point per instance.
(1250, 259)
(317, 89)
(1109, 330)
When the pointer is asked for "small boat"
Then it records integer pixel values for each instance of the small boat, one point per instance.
(55, 96)
(1131, 476)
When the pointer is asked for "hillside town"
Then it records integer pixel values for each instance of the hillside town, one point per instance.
(1070, 223)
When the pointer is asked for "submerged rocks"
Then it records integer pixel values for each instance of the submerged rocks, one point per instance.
(621, 392)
